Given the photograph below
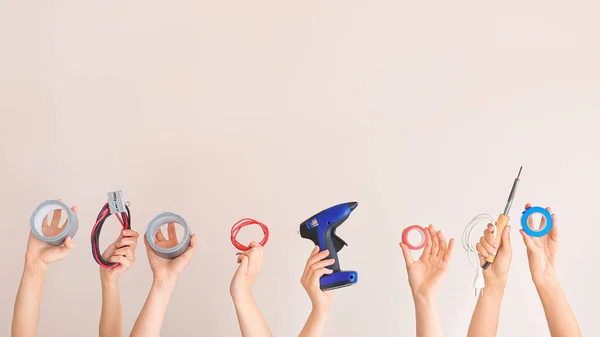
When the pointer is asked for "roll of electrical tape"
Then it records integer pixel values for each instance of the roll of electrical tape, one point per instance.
(421, 231)
(37, 220)
(153, 228)
(532, 232)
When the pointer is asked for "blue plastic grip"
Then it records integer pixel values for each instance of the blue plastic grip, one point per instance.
(338, 280)
(544, 213)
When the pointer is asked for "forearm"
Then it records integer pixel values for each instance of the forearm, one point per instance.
(111, 321)
(559, 315)
(315, 324)
(484, 322)
(428, 322)
(27, 304)
(150, 320)
(252, 324)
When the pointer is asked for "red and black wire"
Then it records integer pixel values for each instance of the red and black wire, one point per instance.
(125, 220)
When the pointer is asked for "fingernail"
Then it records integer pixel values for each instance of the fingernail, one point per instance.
(496, 245)
(493, 252)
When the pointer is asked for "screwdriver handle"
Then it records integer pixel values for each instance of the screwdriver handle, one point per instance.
(500, 224)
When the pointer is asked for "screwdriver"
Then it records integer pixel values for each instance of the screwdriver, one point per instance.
(503, 218)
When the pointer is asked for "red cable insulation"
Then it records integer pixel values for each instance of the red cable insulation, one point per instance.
(244, 223)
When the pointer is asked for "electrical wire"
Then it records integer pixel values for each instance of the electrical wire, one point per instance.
(481, 220)
(125, 220)
(244, 223)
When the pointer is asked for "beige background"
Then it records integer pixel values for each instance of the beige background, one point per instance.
(421, 111)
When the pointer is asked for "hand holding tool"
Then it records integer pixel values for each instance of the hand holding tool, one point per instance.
(503, 218)
(320, 229)
(116, 205)
(482, 220)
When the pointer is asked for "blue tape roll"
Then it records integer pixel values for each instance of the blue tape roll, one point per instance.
(544, 213)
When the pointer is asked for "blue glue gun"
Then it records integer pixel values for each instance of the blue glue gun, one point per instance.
(320, 229)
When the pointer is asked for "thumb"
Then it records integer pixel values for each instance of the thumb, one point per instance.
(243, 265)
(66, 248)
(146, 241)
(408, 258)
(528, 240)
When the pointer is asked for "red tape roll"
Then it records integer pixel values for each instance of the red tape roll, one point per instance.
(410, 229)
(243, 223)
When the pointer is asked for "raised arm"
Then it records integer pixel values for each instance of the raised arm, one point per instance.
(321, 300)
(542, 253)
(252, 323)
(166, 272)
(425, 276)
(121, 251)
(484, 322)
(39, 255)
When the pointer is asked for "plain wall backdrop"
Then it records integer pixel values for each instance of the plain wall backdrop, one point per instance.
(421, 111)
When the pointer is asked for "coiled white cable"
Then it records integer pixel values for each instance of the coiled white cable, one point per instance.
(481, 220)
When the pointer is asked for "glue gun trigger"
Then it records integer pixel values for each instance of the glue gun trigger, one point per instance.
(338, 243)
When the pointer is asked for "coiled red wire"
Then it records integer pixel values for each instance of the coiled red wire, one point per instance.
(244, 223)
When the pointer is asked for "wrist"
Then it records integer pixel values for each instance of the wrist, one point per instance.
(423, 299)
(320, 312)
(164, 283)
(546, 283)
(108, 280)
(164, 277)
(493, 281)
(543, 276)
(320, 308)
(241, 293)
(35, 267)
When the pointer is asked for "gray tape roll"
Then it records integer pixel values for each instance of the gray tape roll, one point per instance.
(154, 226)
(43, 209)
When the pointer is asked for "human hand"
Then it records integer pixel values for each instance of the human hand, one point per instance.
(250, 264)
(168, 269)
(310, 280)
(122, 251)
(426, 274)
(41, 253)
(497, 272)
(542, 251)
